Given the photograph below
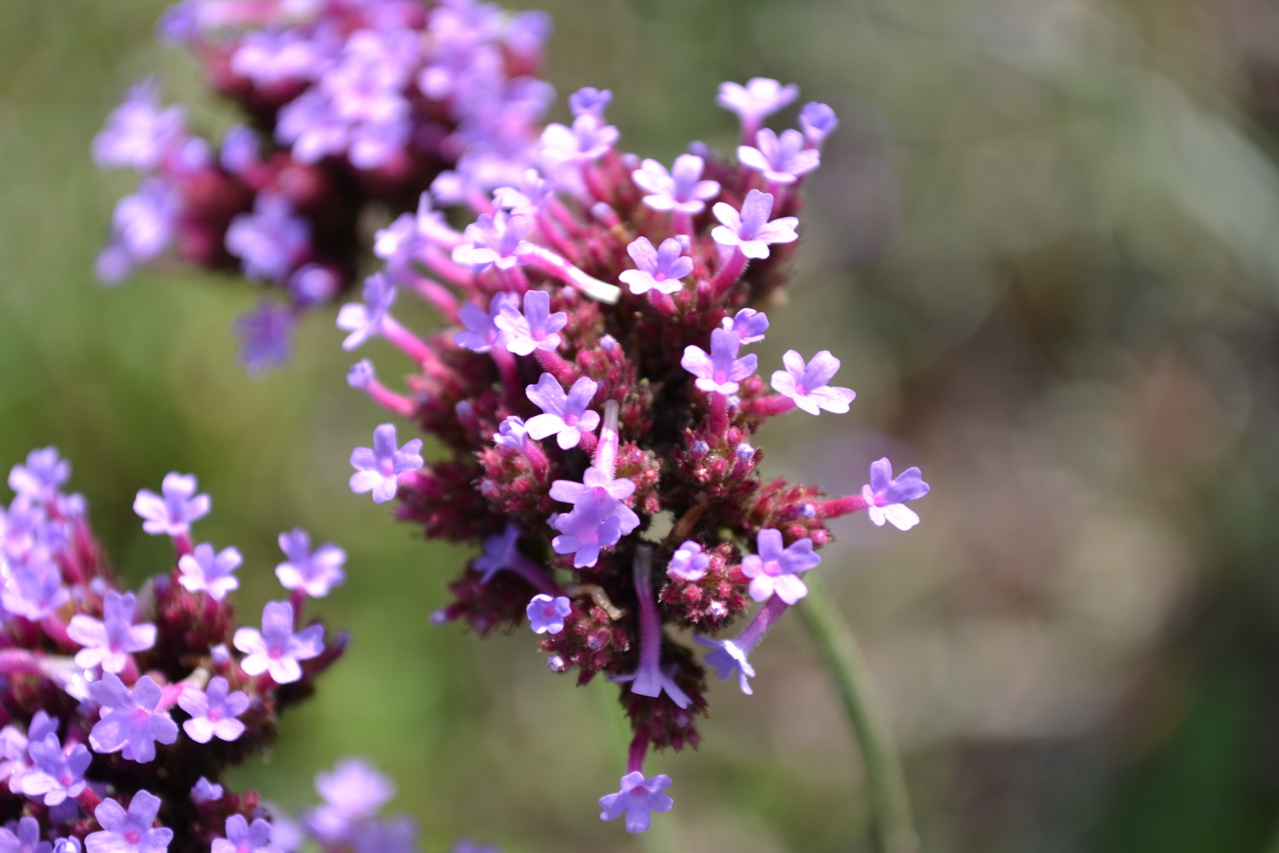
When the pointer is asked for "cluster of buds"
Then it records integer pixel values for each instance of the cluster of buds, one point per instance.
(122, 711)
(350, 106)
(605, 301)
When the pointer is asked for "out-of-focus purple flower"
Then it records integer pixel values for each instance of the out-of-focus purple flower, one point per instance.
(55, 774)
(25, 840)
(598, 520)
(138, 133)
(636, 799)
(364, 320)
(680, 189)
(266, 336)
(727, 657)
(203, 571)
(658, 269)
(377, 468)
(142, 227)
(807, 384)
(275, 57)
(33, 588)
(886, 496)
(275, 649)
(213, 711)
(109, 642)
(501, 551)
(271, 240)
(721, 371)
(776, 570)
(238, 151)
(314, 284)
(130, 723)
(564, 416)
(587, 140)
(313, 573)
(748, 323)
(756, 101)
(590, 101)
(527, 196)
(493, 241)
(818, 122)
(511, 433)
(353, 792)
(480, 333)
(171, 515)
(546, 614)
(42, 476)
(536, 328)
(780, 160)
(132, 831)
(689, 562)
(205, 791)
(243, 837)
(751, 231)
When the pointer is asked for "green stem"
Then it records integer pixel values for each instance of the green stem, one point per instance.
(890, 802)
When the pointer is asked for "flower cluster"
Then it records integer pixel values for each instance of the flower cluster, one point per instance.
(607, 301)
(349, 105)
(123, 710)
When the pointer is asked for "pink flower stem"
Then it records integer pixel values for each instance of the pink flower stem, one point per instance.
(443, 267)
(437, 296)
(20, 662)
(182, 544)
(409, 343)
(297, 598)
(769, 406)
(719, 415)
(663, 303)
(536, 576)
(389, 400)
(683, 222)
(766, 618)
(552, 264)
(606, 448)
(537, 460)
(556, 238)
(835, 507)
(639, 749)
(728, 274)
(557, 366)
(509, 371)
(513, 280)
(57, 631)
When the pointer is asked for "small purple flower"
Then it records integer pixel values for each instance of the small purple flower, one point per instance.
(748, 323)
(130, 723)
(727, 657)
(365, 320)
(205, 791)
(171, 515)
(564, 416)
(886, 497)
(527, 196)
(129, 832)
(276, 650)
(481, 333)
(780, 160)
(138, 133)
(42, 476)
(680, 189)
(590, 101)
(658, 269)
(637, 798)
(756, 101)
(807, 384)
(776, 570)
(536, 328)
(587, 140)
(818, 122)
(501, 551)
(213, 711)
(315, 574)
(546, 614)
(238, 151)
(721, 371)
(271, 240)
(598, 520)
(241, 837)
(202, 571)
(266, 336)
(55, 774)
(377, 468)
(109, 642)
(689, 563)
(142, 227)
(751, 231)
(511, 433)
(279, 57)
(26, 840)
(353, 792)
(33, 589)
(493, 241)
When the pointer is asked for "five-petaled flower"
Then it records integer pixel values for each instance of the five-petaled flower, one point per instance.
(636, 799)
(806, 385)
(132, 720)
(275, 649)
(131, 831)
(546, 614)
(536, 328)
(564, 416)
(776, 570)
(378, 468)
(109, 642)
(886, 496)
(659, 269)
(750, 230)
(313, 573)
(203, 571)
(721, 371)
(172, 514)
(213, 711)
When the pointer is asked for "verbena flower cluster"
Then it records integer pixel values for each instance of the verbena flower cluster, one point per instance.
(348, 105)
(122, 710)
(607, 302)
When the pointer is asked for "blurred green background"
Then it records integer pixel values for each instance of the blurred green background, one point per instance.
(1045, 243)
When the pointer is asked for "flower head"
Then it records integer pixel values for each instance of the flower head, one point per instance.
(680, 189)
(637, 798)
(776, 570)
(886, 496)
(564, 416)
(313, 573)
(658, 269)
(598, 520)
(750, 231)
(271, 241)
(172, 514)
(546, 614)
(132, 720)
(756, 101)
(364, 320)
(213, 711)
(276, 650)
(56, 774)
(728, 657)
(202, 571)
(782, 160)
(721, 371)
(379, 467)
(109, 642)
(131, 831)
(534, 329)
(806, 384)
(480, 332)
(44, 474)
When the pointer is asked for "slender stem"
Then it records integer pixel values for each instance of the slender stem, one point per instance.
(890, 801)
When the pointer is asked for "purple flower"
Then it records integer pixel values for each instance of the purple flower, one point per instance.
(313, 284)
(536, 328)
(238, 151)
(590, 101)
(564, 416)
(818, 122)
(493, 241)
(130, 723)
(270, 240)
(807, 384)
(138, 133)
(129, 832)
(365, 320)
(171, 515)
(276, 649)
(511, 433)
(750, 231)
(527, 196)
(42, 476)
(481, 333)
(501, 551)
(110, 642)
(205, 791)
(353, 792)
(637, 798)
(689, 563)
(885, 496)
(659, 269)
(378, 468)
(756, 101)
(274, 57)
(55, 774)
(775, 570)
(202, 571)
(780, 160)
(241, 837)
(598, 520)
(33, 589)
(142, 227)
(727, 657)
(315, 574)
(588, 140)
(14, 744)
(721, 371)
(680, 189)
(213, 711)
(26, 840)
(266, 336)
(546, 614)
(748, 323)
